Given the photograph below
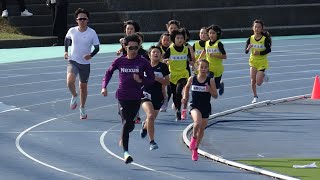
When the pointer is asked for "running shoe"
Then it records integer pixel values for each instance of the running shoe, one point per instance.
(221, 89)
(184, 114)
(265, 78)
(193, 143)
(173, 106)
(178, 115)
(255, 99)
(138, 119)
(73, 102)
(164, 105)
(143, 131)
(83, 114)
(194, 155)
(127, 158)
(153, 146)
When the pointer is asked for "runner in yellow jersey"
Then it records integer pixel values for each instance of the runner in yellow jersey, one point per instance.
(177, 57)
(215, 53)
(259, 45)
(199, 45)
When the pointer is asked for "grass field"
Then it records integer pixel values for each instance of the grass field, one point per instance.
(284, 166)
(9, 32)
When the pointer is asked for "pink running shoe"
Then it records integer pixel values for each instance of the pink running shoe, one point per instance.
(184, 114)
(194, 156)
(193, 143)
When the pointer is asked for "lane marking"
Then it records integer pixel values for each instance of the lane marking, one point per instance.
(38, 161)
(44, 122)
(135, 164)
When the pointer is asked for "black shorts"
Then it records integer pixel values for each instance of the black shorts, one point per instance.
(82, 69)
(156, 101)
(205, 110)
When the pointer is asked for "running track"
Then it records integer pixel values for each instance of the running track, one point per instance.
(41, 138)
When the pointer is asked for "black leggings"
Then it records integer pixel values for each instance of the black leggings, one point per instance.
(176, 90)
(128, 110)
(217, 80)
(21, 5)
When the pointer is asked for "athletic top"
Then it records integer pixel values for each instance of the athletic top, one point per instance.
(129, 89)
(199, 92)
(82, 43)
(215, 64)
(178, 57)
(198, 47)
(262, 45)
(160, 70)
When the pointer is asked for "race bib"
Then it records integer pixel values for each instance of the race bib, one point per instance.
(146, 95)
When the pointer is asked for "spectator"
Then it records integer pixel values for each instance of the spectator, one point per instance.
(59, 11)
(23, 9)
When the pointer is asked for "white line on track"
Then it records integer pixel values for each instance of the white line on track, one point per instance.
(135, 164)
(28, 130)
(38, 161)
(44, 122)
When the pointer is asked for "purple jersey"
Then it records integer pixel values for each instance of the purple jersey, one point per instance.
(129, 89)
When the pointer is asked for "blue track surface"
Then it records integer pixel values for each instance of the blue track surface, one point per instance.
(41, 138)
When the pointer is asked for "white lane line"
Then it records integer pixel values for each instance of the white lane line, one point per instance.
(135, 164)
(46, 73)
(44, 122)
(8, 110)
(53, 66)
(47, 81)
(53, 59)
(63, 131)
(270, 57)
(267, 92)
(38, 161)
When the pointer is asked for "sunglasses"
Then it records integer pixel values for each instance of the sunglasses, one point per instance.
(82, 19)
(133, 47)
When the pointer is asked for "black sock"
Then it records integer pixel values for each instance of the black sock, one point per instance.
(152, 141)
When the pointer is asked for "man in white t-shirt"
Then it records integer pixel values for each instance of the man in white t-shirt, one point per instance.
(82, 38)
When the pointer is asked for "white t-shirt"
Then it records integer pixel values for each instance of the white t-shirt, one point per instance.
(82, 43)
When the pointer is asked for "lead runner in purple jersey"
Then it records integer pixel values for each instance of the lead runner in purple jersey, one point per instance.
(131, 69)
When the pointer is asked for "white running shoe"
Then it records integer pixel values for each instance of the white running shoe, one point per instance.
(265, 78)
(255, 99)
(73, 102)
(83, 114)
(173, 106)
(26, 13)
(5, 14)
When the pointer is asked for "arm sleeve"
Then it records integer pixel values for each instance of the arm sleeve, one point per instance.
(189, 54)
(268, 48)
(221, 48)
(165, 70)
(247, 44)
(67, 43)
(166, 54)
(109, 73)
(149, 80)
(95, 51)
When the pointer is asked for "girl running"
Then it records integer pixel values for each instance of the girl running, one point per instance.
(164, 43)
(199, 45)
(202, 88)
(260, 45)
(130, 27)
(173, 25)
(153, 98)
(177, 58)
(215, 53)
(132, 68)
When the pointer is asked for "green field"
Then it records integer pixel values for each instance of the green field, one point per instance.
(284, 166)
(9, 32)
